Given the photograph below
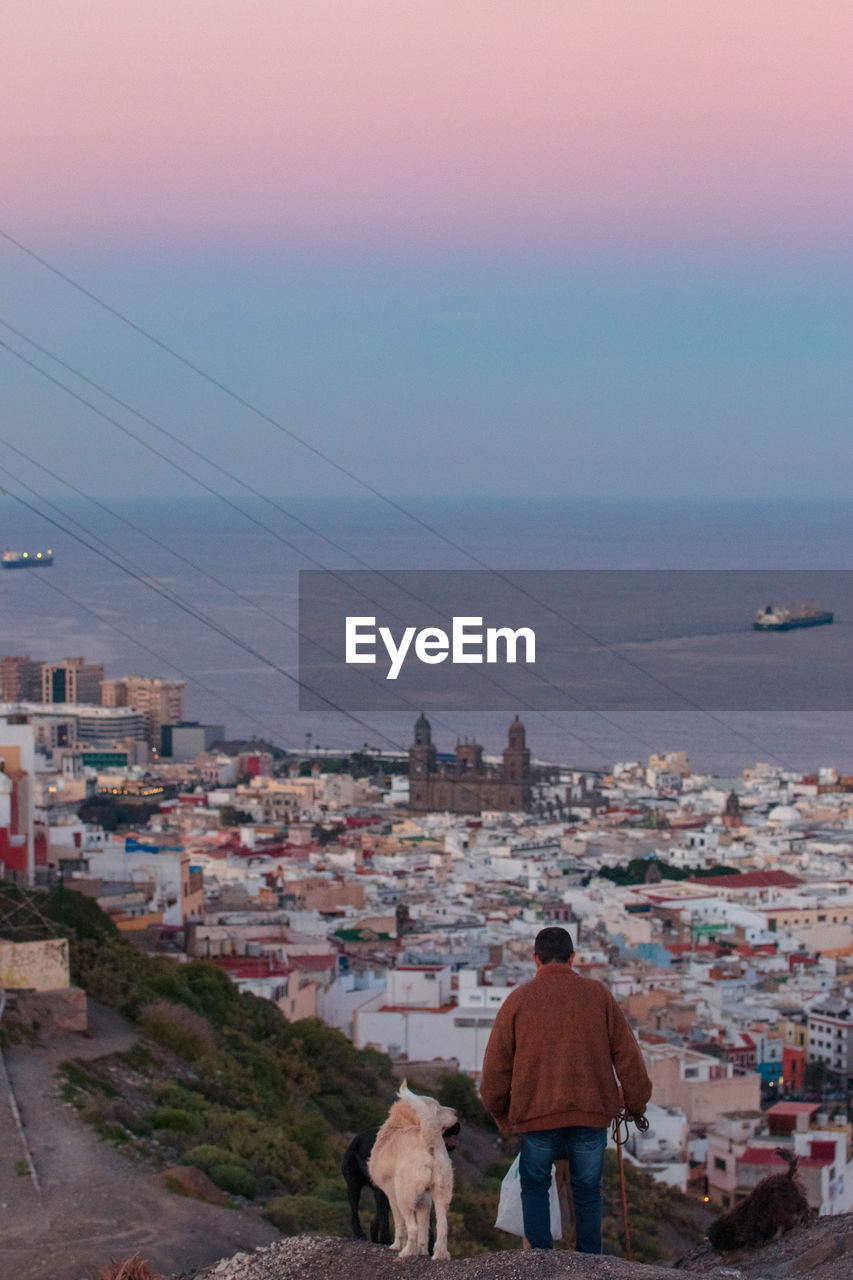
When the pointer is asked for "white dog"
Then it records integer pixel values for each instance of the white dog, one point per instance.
(409, 1162)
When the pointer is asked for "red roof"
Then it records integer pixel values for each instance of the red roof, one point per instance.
(768, 1156)
(418, 1008)
(311, 962)
(251, 966)
(762, 1155)
(750, 880)
(792, 1108)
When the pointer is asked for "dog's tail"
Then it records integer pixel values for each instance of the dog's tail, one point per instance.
(415, 1100)
(405, 1094)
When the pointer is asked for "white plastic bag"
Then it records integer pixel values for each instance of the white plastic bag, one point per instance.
(509, 1209)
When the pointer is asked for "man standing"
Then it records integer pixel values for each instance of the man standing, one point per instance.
(548, 1074)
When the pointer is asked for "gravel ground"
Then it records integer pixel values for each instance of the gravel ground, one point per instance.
(823, 1250)
(324, 1257)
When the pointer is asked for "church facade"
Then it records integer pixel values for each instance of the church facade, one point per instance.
(467, 784)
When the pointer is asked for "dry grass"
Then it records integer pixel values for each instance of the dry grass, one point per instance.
(178, 1028)
(135, 1268)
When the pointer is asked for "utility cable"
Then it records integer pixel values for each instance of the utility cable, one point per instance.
(463, 784)
(581, 706)
(144, 576)
(690, 703)
(198, 616)
(168, 662)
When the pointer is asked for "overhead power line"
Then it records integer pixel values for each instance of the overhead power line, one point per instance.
(367, 486)
(581, 705)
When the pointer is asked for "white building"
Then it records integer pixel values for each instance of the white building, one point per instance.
(419, 1018)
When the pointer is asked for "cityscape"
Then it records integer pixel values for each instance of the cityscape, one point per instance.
(425, 495)
(396, 899)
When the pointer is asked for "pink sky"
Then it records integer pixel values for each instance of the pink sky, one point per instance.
(576, 122)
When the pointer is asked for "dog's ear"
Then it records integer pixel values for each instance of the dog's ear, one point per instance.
(402, 1115)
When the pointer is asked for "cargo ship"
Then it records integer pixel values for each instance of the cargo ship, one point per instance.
(26, 559)
(786, 617)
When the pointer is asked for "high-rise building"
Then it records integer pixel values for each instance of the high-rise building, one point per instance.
(72, 680)
(20, 680)
(162, 702)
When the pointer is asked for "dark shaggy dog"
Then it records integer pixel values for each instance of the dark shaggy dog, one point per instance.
(354, 1169)
(776, 1205)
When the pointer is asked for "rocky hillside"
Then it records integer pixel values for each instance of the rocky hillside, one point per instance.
(238, 1107)
(823, 1250)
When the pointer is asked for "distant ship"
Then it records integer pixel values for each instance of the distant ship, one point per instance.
(787, 617)
(26, 559)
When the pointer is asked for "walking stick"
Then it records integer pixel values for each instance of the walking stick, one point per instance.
(620, 1137)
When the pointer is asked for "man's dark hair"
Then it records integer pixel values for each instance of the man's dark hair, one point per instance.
(553, 943)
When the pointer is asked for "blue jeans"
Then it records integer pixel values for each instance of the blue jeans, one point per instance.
(583, 1147)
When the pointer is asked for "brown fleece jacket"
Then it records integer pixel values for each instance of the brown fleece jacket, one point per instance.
(552, 1053)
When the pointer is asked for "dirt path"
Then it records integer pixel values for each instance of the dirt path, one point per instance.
(94, 1204)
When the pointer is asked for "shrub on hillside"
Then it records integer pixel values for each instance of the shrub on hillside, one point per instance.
(460, 1092)
(175, 1119)
(76, 1077)
(177, 1028)
(234, 1178)
(307, 1215)
(206, 1155)
(268, 1145)
(178, 1095)
(186, 1180)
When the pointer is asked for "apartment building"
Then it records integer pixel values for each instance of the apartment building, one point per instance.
(72, 680)
(419, 1015)
(830, 1038)
(160, 701)
(20, 679)
(701, 1086)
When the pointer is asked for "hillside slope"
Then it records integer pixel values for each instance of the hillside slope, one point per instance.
(94, 1202)
(263, 1107)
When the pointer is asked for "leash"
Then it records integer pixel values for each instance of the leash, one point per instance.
(620, 1137)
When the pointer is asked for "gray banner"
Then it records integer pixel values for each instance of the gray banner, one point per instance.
(614, 640)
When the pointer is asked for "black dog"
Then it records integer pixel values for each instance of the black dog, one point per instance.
(354, 1169)
(776, 1205)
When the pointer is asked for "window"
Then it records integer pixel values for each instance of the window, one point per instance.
(719, 1163)
(691, 1073)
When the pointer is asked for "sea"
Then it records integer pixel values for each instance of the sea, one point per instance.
(206, 590)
